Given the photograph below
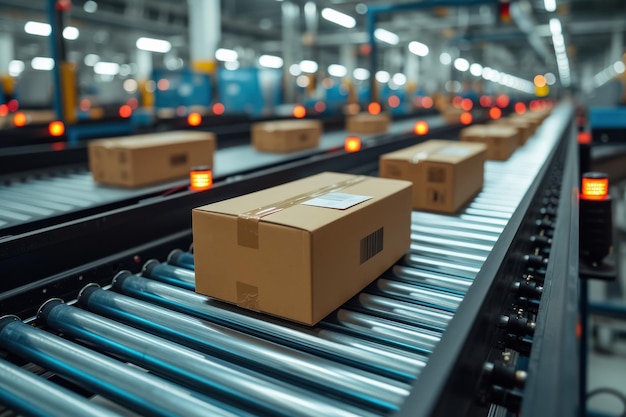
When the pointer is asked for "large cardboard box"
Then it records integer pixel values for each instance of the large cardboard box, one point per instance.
(501, 141)
(445, 174)
(301, 249)
(365, 123)
(524, 127)
(146, 159)
(286, 135)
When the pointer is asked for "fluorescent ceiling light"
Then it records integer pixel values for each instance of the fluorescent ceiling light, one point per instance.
(476, 70)
(550, 78)
(338, 18)
(270, 61)
(619, 67)
(418, 48)
(91, 59)
(486, 73)
(231, 65)
(399, 79)
(550, 5)
(461, 64)
(337, 70)
(226, 55)
(106, 68)
(445, 58)
(295, 70)
(71, 33)
(555, 26)
(37, 28)
(42, 64)
(153, 45)
(382, 76)
(16, 67)
(384, 35)
(361, 74)
(308, 66)
(90, 6)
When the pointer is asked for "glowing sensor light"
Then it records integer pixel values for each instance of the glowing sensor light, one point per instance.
(595, 187)
(19, 119)
(200, 178)
(352, 144)
(56, 128)
(299, 111)
(466, 118)
(194, 119)
(495, 113)
(218, 109)
(125, 111)
(373, 108)
(420, 128)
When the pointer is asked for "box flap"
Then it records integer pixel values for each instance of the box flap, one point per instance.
(437, 151)
(154, 139)
(283, 204)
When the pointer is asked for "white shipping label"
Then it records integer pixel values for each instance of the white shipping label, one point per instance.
(340, 201)
(454, 151)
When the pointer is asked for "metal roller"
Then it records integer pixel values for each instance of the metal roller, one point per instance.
(468, 259)
(181, 277)
(183, 259)
(465, 247)
(429, 279)
(253, 353)
(378, 359)
(31, 395)
(454, 234)
(425, 296)
(188, 367)
(444, 267)
(452, 222)
(131, 387)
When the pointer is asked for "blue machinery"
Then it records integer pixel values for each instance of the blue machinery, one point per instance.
(474, 292)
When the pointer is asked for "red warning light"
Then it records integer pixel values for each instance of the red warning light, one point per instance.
(194, 119)
(466, 104)
(495, 113)
(352, 144)
(456, 101)
(163, 84)
(520, 108)
(4, 110)
(466, 118)
(299, 111)
(595, 187)
(84, 104)
(320, 106)
(218, 109)
(427, 102)
(584, 138)
(56, 128)
(420, 128)
(125, 111)
(502, 100)
(200, 178)
(485, 101)
(394, 101)
(504, 10)
(133, 103)
(374, 108)
(19, 119)
(13, 105)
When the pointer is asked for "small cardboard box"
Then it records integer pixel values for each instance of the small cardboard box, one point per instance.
(284, 251)
(365, 123)
(524, 127)
(452, 115)
(286, 135)
(501, 141)
(146, 159)
(445, 174)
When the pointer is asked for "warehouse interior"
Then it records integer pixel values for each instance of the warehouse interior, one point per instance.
(313, 208)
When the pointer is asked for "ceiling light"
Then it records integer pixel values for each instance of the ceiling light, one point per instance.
(382, 76)
(338, 18)
(550, 5)
(445, 58)
(550, 78)
(308, 66)
(90, 6)
(226, 55)
(70, 33)
(42, 64)
(106, 68)
(418, 48)
(91, 59)
(384, 35)
(231, 65)
(16, 67)
(270, 61)
(337, 70)
(153, 45)
(619, 67)
(399, 79)
(461, 64)
(361, 74)
(555, 26)
(476, 70)
(37, 28)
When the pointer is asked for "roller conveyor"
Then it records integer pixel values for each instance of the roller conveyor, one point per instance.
(38, 196)
(361, 360)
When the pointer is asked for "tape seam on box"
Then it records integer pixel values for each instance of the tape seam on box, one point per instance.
(248, 222)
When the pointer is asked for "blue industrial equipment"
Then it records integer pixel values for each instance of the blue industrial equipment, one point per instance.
(181, 88)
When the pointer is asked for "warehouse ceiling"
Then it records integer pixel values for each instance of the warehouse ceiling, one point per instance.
(593, 31)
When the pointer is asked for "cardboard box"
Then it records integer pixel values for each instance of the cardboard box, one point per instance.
(501, 141)
(445, 174)
(145, 159)
(452, 115)
(273, 252)
(286, 135)
(365, 123)
(524, 127)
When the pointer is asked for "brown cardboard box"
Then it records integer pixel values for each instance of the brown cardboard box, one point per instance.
(365, 123)
(452, 115)
(271, 252)
(286, 135)
(145, 159)
(501, 141)
(445, 174)
(524, 127)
